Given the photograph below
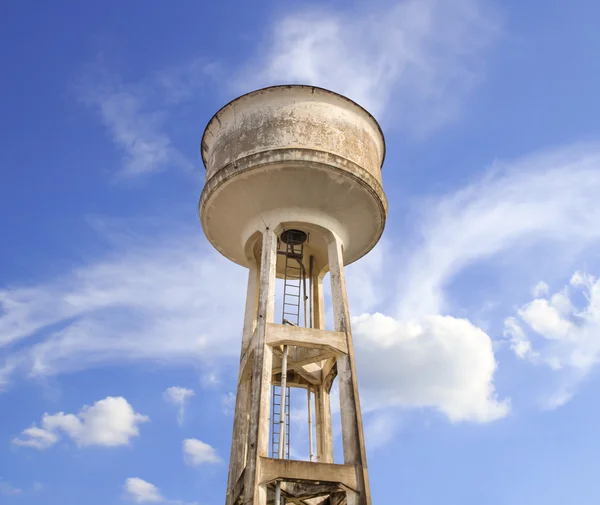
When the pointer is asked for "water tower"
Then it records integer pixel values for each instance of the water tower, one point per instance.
(293, 191)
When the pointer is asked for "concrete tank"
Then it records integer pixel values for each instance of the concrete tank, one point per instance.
(293, 156)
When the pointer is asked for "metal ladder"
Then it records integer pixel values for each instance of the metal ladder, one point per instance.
(292, 286)
(276, 410)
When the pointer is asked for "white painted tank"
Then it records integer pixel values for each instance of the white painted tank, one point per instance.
(298, 155)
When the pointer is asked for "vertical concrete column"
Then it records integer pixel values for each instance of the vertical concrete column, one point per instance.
(250, 314)
(260, 396)
(322, 398)
(239, 440)
(318, 301)
(324, 427)
(352, 428)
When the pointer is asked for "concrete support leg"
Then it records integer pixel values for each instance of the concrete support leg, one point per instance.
(260, 397)
(239, 440)
(324, 427)
(352, 429)
(322, 398)
(250, 314)
(352, 498)
(318, 302)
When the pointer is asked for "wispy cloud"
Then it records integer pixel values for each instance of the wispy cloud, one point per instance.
(170, 302)
(549, 198)
(136, 114)
(178, 396)
(412, 61)
(7, 489)
(380, 429)
(228, 403)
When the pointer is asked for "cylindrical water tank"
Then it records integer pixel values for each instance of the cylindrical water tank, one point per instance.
(298, 155)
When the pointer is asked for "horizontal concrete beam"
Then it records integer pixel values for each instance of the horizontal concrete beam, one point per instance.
(283, 334)
(295, 471)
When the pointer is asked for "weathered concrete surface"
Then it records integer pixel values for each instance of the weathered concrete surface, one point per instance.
(298, 116)
(258, 432)
(280, 334)
(296, 151)
(294, 471)
(315, 357)
(242, 400)
(352, 428)
(294, 157)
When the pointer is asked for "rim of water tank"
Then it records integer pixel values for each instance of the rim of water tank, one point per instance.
(294, 86)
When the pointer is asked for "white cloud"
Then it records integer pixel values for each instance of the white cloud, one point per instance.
(439, 361)
(110, 422)
(178, 396)
(7, 489)
(141, 491)
(196, 452)
(561, 333)
(414, 60)
(541, 289)
(544, 317)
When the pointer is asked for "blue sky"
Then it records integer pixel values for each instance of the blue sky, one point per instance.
(476, 318)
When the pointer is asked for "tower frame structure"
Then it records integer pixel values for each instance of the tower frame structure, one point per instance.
(284, 162)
